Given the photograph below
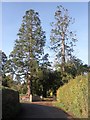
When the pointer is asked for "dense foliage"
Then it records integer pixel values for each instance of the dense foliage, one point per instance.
(73, 68)
(73, 97)
(28, 49)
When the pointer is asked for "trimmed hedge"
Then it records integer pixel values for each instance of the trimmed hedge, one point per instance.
(73, 97)
(10, 103)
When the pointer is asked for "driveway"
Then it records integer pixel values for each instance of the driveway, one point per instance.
(37, 110)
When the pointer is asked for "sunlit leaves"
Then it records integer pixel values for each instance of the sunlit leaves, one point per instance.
(74, 97)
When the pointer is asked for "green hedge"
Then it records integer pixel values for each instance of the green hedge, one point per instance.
(89, 95)
(10, 103)
(73, 97)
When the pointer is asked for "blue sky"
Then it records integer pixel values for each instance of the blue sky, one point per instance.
(12, 14)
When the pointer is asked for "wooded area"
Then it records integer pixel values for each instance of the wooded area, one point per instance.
(28, 69)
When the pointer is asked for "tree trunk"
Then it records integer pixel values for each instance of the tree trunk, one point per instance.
(63, 52)
(29, 86)
(30, 52)
(44, 91)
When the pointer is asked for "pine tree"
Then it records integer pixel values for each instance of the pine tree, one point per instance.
(3, 60)
(62, 38)
(28, 48)
(45, 66)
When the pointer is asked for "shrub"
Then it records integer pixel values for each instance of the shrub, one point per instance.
(73, 97)
(10, 103)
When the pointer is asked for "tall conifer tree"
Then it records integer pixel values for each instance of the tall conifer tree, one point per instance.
(28, 47)
(62, 38)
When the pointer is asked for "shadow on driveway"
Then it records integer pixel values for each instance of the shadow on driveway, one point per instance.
(32, 110)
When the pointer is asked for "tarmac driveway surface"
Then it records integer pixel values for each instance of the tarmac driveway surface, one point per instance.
(32, 110)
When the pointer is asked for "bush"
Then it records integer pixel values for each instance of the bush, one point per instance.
(89, 94)
(10, 103)
(73, 97)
